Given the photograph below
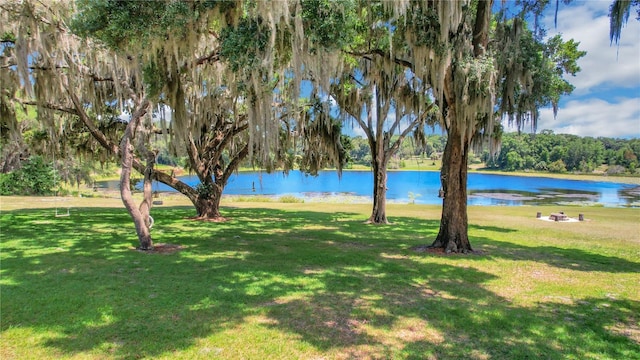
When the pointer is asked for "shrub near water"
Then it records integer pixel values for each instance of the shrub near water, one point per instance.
(290, 199)
(286, 199)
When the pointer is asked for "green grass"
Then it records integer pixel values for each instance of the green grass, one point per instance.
(312, 281)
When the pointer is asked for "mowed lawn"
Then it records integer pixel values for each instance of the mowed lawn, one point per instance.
(312, 281)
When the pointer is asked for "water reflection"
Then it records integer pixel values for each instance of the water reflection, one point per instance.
(545, 197)
(630, 196)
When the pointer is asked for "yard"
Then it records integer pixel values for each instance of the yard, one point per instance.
(312, 281)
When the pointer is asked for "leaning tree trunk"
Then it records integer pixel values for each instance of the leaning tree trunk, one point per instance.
(140, 218)
(453, 234)
(147, 190)
(379, 212)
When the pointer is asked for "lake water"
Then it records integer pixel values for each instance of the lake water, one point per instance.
(422, 187)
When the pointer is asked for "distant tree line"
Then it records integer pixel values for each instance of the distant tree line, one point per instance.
(359, 154)
(544, 151)
(559, 153)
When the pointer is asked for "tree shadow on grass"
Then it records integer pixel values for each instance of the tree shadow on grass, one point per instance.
(596, 328)
(492, 228)
(78, 275)
(348, 289)
(566, 258)
(453, 318)
(395, 306)
(573, 259)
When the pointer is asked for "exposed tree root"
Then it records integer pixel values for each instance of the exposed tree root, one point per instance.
(161, 249)
(442, 251)
(216, 219)
(373, 222)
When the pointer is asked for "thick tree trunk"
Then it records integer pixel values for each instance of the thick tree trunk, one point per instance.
(453, 234)
(379, 212)
(140, 218)
(208, 207)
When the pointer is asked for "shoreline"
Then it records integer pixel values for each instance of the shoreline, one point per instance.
(629, 180)
(111, 199)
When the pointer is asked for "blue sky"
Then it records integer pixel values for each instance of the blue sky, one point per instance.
(606, 100)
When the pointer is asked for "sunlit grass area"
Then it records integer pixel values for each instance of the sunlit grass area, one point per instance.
(312, 281)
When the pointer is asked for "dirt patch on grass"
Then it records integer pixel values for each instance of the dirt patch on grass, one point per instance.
(219, 219)
(440, 251)
(630, 331)
(162, 249)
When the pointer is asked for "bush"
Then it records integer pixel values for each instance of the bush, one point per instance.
(290, 199)
(541, 166)
(616, 170)
(474, 160)
(35, 177)
(9, 184)
(558, 166)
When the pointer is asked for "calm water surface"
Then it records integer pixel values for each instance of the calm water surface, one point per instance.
(422, 187)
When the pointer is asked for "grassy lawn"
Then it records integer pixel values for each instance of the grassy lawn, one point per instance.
(311, 281)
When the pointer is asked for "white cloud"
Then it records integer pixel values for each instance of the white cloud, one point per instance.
(605, 64)
(606, 100)
(595, 117)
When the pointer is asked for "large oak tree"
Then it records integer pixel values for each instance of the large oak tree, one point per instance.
(482, 68)
(477, 67)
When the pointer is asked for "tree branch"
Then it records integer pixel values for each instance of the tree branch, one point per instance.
(481, 27)
(213, 57)
(235, 162)
(50, 106)
(382, 53)
(419, 120)
(196, 161)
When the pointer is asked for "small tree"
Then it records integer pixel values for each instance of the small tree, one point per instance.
(371, 84)
(35, 177)
(70, 79)
(382, 102)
